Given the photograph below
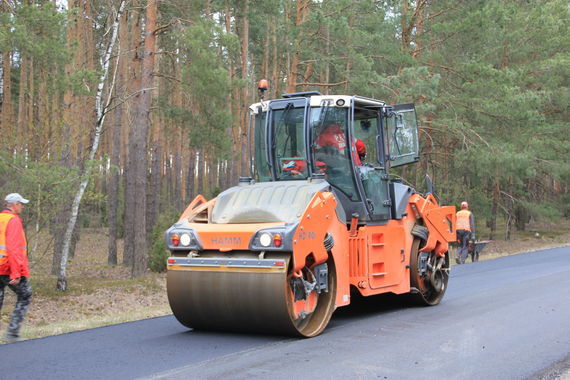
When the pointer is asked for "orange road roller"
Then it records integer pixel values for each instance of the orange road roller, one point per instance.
(320, 218)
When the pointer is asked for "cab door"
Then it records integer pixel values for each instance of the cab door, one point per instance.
(373, 179)
(386, 246)
(402, 135)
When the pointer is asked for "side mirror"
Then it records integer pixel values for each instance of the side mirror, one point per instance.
(431, 188)
(429, 183)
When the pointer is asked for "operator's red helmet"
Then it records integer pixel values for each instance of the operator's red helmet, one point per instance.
(332, 136)
(464, 205)
(360, 147)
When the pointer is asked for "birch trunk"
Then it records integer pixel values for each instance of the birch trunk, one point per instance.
(100, 110)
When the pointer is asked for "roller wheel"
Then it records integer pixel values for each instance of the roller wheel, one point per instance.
(312, 315)
(249, 301)
(430, 287)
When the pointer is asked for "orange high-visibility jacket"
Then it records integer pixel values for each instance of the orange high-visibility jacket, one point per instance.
(13, 246)
(463, 220)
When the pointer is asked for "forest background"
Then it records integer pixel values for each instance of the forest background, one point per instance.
(116, 113)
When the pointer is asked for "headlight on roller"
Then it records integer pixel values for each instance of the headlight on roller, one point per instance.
(273, 239)
(185, 239)
(178, 238)
(265, 239)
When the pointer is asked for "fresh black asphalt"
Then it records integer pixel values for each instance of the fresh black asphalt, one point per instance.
(507, 318)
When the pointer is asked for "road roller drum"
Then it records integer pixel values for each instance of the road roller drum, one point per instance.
(243, 293)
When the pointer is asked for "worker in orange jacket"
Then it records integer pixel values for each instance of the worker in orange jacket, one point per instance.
(14, 271)
(465, 227)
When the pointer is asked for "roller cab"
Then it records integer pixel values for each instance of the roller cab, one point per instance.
(319, 218)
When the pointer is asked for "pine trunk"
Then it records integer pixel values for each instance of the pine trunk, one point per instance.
(243, 111)
(155, 179)
(116, 145)
(190, 175)
(139, 145)
(302, 8)
(6, 117)
(134, 87)
(113, 188)
(22, 104)
(494, 209)
(200, 179)
(234, 103)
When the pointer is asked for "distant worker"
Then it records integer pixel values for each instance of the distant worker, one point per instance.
(465, 228)
(333, 136)
(14, 271)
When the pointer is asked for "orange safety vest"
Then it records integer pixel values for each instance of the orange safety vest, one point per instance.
(463, 220)
(4, 219)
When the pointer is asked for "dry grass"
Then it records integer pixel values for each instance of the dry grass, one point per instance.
(98, 294)
(101, 295)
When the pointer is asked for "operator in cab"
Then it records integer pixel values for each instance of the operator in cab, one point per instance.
(332, 141)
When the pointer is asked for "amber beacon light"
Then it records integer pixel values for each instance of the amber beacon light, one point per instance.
(262, 86)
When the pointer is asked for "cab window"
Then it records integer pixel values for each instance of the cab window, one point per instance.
(289, 143)
(402, 135)
(330, 147)
(260, 165)
(365, 133)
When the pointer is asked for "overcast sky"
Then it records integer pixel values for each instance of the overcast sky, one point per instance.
(62, 3)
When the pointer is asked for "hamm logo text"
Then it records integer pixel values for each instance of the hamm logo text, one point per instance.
(226, 241)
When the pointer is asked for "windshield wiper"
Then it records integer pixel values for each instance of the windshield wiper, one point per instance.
(322, 117)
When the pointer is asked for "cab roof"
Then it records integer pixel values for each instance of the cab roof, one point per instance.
(317, 100)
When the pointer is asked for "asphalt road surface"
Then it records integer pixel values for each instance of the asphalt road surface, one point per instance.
(507, 318)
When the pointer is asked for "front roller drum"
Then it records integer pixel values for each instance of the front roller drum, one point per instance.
(248, 299)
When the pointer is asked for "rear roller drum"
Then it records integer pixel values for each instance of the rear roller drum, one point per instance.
(429, 275)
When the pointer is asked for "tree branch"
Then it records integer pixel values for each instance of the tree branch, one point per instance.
(322, 84)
